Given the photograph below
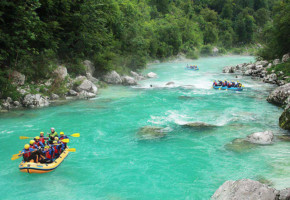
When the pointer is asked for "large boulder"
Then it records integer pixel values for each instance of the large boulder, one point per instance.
(54, 97)
(72, 93)
(284, 120)
(286, 57)
(261, 137)
(112, 77)
(248, 72)
(86, 95)
(151, 75)
(35, 100)
(89, 67)
(229, 69)
(271, 78)
(262, 62)
(18, 78)
(245, 189)
(280, 95)
(91, 78)
(137, 77)
(276, 62)
(128, 80)
(60, 72)
(285, 194)
(88, 86)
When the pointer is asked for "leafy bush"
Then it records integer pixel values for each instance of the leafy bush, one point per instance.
(206, 50)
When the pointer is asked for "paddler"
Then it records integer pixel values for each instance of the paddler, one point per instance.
(38, 142)
(42, 138)
(27, 153)
(63, 136)
(52, 135)
(56, 148)
(47, 155)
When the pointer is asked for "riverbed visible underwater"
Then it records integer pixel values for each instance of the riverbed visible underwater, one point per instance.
(134, 143)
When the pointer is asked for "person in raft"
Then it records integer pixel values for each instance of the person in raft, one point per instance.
(42, 138)
(52, 135)
(27, 153)
(63, 136)
(47, 155)
(38, 143)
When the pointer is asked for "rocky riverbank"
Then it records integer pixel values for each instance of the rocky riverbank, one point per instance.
(249, 189)
(262, 70)
(61, 86)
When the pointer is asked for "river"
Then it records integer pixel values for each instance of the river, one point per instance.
(112, 162)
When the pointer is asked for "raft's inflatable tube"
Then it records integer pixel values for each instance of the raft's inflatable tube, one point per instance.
(231, 88)
(39, 168)
(192, 69)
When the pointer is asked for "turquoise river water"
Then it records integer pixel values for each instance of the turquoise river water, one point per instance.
(112, 162)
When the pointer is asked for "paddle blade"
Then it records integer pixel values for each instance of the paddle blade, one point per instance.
(15, 157)
(72, 150)
(23, 137)
(75, 135)
(65, 140)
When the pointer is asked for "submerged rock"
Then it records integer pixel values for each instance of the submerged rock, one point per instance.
(245, 189)
(170, 83)
(198, 125)
(150, 132)
(285, 138)
(239, 145)
(186, 97)
(265, 181)
(261, 137)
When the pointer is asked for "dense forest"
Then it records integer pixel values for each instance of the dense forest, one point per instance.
(36, 35)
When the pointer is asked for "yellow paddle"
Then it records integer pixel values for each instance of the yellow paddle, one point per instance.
(24, 137)
(75, 135)
(72, 150)
(65, 140)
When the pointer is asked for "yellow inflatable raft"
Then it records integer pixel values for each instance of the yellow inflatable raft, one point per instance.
(39, 168)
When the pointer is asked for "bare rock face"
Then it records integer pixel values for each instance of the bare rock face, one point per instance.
(91, 78)
(60, 72)
(261, 137)
(229, 69)
(90, 68)
(151, 75)
(280, 95)
(18, 78)
(262, 62)
(170, 83)
(128, 80)
(245, 189)
(113, 78)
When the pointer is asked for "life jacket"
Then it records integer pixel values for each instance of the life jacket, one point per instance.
(38, 143)
(27, 153)
(33, 146)
(55, 149)
(230, 85)
(48, 154)
(41, 139)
